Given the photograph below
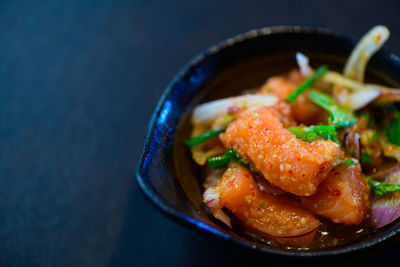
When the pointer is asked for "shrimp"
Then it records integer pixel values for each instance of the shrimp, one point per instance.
(278, 217)
(287, 162)
(343, 197)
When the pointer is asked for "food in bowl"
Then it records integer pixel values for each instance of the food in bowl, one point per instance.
(309, 159)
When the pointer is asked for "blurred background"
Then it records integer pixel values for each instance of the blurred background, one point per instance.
(79, 81)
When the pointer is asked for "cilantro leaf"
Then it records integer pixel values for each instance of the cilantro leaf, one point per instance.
(315, 132)
(340, 117)
(381, 188)
(348, 162)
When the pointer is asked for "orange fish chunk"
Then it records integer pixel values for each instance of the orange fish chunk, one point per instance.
(303, 109)
(278, 86)
(273, 216)
(306, 112)
(287, 162)
(343, 197)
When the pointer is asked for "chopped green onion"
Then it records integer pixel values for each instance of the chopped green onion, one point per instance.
(307, 83)
(340, 117)
(223, 161)
(219, 162)
(204, 137)
(381, 188)
(315, 132)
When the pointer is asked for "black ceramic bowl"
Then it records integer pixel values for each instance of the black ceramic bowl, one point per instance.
(166, 173)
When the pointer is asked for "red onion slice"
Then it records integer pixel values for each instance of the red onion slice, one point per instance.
(352, 142)
(384, 212)
(386, 209)
(211, 197)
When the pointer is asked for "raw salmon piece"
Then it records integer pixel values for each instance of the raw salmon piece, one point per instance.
(300, 241)
(281, 88)
(287, 162)
(306, 112)
(343, 197)
(273, 216)
(284, 112)
(295, 77)
(278, 86)
(303, 109)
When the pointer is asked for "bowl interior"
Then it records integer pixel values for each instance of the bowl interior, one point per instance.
(167, 173)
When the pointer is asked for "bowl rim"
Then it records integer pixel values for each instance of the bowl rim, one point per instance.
(158, 201)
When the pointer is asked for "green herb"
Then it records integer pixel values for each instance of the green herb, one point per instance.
(204, 137)
(307, 83)
(375, 136)
(381, 188)
(316, 132)
(348, 162)
(366, 158)
(393, 127)
(340, 117)
(393, 132)
(223, 161)
(304, 133)
(219, 161)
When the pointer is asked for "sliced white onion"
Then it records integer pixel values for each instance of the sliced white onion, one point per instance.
(362, 52)
(303, 63)
(361, 94)
(360, 99)
(386, 209)
(210, 110)
(220, 215)
(339, 80)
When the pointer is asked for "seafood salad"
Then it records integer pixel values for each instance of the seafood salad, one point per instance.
(309, 160)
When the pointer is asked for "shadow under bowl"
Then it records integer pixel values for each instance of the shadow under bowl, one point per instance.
(167, 174)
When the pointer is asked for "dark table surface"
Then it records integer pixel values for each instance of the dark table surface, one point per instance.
(78, 83)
